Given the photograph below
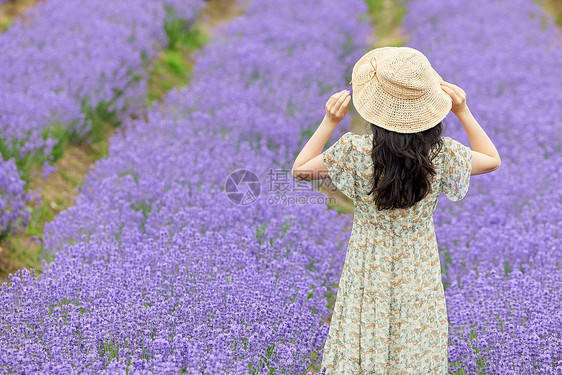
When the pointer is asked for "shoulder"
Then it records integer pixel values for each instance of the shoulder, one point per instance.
(453, 148)
(448, 149)
(349, 138)
(451, 145)
(357, 143)
(351, 149)
(457, 158)
(351, 143)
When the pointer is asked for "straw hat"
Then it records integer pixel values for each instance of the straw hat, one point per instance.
(397, 89)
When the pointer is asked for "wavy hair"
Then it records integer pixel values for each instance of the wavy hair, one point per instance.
(403, 166)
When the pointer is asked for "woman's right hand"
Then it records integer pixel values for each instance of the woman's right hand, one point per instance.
(457, 95)
(485, 156)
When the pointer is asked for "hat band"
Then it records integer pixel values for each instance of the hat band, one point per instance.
(372, 73)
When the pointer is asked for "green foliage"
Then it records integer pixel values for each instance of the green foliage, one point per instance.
(174, 66)
(64, 134)
(286, 226)
(260, 233)
(146, 208)
(339, 209)
(181, 33)
(99, 117)
(5, 235)
(10, 148)
(5, 25)
(37, 218)
(131, 172)
(506, 267)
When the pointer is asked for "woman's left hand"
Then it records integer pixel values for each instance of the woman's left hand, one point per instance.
(336, 107)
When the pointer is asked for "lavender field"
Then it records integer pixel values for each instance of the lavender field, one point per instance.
(157, 268)
(71, 66)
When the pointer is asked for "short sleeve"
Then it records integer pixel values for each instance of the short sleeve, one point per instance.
(340, 161)
(456, 170)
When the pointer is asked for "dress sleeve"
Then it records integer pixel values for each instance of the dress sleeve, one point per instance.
(457, 169)
(339, 159)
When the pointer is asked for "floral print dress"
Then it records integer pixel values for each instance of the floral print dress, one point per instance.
(390, 315)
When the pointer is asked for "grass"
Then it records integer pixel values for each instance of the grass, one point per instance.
(174, 65)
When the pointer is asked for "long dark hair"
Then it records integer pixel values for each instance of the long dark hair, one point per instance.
(403, 166)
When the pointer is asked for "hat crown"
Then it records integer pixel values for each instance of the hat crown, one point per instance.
(397, 89)
(405, 73)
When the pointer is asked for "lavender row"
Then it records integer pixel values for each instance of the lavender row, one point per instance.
(13, 215)
(155, 268)
(73, 56)
(500, 247)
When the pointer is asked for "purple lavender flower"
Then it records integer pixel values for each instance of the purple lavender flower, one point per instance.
(13, 198)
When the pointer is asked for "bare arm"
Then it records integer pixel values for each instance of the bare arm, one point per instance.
(309, 165)
(485, 157)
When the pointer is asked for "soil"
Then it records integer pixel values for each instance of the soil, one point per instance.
(13, 9)
(554, 7)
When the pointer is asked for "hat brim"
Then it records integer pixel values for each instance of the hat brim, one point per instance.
(397, 114)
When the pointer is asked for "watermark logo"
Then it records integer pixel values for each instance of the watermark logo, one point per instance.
(242, 187)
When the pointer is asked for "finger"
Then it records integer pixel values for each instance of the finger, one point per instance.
(452, 86)
(458, 89)
(332, 100)
(337, 94)
(344, 106)
(341, 99)
(335, 97)
(449, 91)
(339, 106)
(341, 94)
(344, 101)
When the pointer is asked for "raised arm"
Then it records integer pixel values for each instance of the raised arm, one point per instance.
(485, 157)
(308, 164)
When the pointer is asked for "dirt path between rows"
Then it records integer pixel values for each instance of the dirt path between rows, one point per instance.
(15, 8)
